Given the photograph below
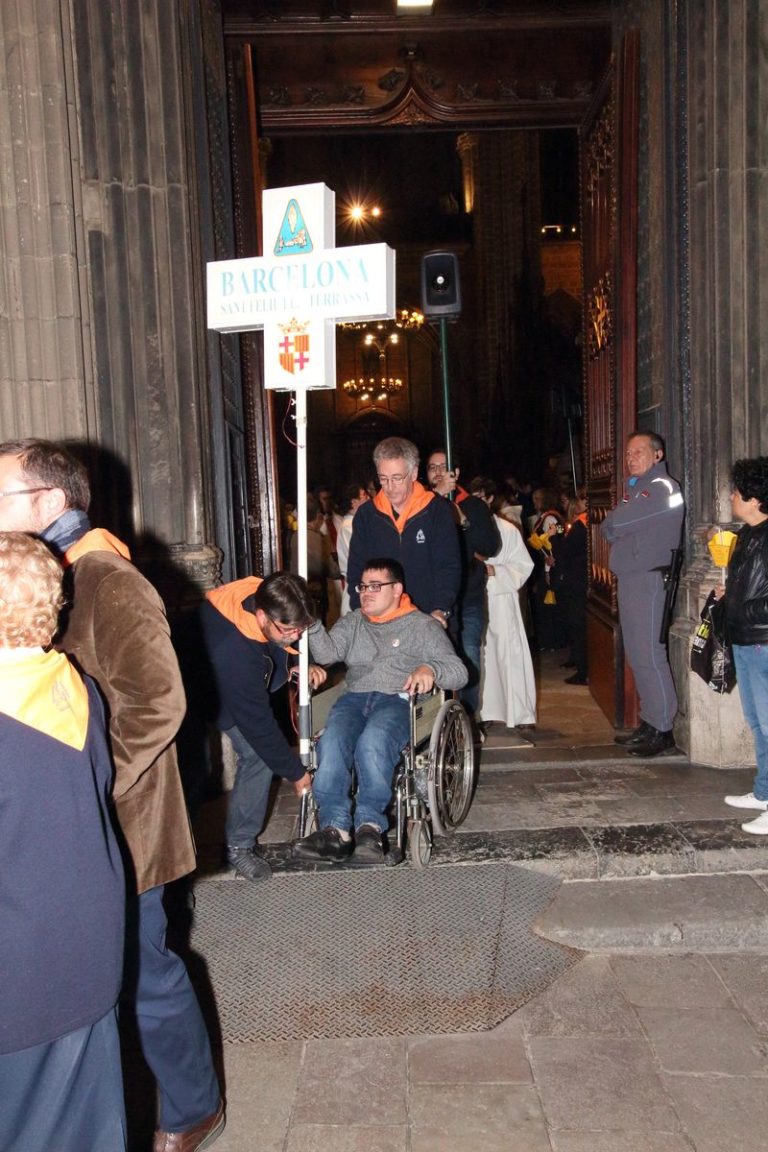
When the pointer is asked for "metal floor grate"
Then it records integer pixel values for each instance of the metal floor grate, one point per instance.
(374, 953)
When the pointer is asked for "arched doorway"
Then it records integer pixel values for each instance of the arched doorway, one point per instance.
(360, 437)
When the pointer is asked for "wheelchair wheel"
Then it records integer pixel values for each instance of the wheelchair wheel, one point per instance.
(419, 843)
(451, 768)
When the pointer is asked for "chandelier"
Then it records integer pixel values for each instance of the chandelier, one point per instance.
(404, 318)
(374, 382)
(373, 387)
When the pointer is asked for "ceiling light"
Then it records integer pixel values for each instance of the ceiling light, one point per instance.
(414, 3)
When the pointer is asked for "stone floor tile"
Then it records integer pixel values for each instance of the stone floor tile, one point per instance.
(673, 913)
(670, 981)
(491, 1117)
(326, 1137)
(484, 1058)
(594, 788)
(640, 849)
(640, 810)
(704, 1040)
(619, 1142)
(721, 1113)
(746, 978)
(522, 814)
(260, 1084)
(600, 1083)
(684, 781)
(585, 1001)
(352, 1082)
(624, 769)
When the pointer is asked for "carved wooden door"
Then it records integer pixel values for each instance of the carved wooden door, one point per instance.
(609, 235)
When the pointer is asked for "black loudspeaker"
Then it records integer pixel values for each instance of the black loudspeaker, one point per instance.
(440, 288)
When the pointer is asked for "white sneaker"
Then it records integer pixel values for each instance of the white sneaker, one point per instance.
(748, 801)
(758, 827)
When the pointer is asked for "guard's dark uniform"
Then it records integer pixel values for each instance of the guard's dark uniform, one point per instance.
(642, 531)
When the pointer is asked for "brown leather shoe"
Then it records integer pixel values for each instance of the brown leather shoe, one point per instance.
(203, 1135)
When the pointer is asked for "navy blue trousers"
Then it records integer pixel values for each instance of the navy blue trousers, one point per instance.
(174, 1040)
(66, 1095)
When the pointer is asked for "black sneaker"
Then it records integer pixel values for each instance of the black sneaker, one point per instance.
(247, 863)
(325, 844)
(369, 845)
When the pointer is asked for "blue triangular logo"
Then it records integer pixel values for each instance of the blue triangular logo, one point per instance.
(293, 236)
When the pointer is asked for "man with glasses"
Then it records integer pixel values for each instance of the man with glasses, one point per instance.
(478, 539)
(413, 526)
(116, 631)
(391, 651)
(247, 635)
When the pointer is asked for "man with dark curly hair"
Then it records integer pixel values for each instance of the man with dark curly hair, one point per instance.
(746, 614)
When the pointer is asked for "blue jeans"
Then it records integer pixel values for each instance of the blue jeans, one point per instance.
(752, 676)
(470, 639)
(250, 794)
(368, 730)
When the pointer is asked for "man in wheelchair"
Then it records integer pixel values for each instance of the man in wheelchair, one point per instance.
(391, 651)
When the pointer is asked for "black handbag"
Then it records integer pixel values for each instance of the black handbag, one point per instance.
(711, 656)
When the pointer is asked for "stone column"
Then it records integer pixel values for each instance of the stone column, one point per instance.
(723, 53)
(102, 337)
(45, 364)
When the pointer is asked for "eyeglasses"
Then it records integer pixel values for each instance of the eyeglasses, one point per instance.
(437, 467)
(374, 586)
(22, 492)
(288, 629)
(384, 480)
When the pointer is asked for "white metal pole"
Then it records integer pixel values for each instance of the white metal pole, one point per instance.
(301, 517)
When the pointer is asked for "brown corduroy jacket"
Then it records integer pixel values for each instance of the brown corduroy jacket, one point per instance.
(116, 630)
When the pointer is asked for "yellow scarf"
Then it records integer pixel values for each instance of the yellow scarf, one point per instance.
(43, 691)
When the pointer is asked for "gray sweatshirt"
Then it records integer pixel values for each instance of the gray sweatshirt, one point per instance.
(381, 657)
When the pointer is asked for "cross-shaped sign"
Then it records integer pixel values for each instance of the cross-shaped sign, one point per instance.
(296, 292)
(300, 287)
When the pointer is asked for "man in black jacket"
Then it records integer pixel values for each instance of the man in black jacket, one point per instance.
(238, 650)
(478, 539)
(408, 523)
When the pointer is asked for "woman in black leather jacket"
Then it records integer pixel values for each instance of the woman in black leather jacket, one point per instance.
(746, 613)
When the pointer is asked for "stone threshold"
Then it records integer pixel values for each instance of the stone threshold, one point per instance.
(589, 853)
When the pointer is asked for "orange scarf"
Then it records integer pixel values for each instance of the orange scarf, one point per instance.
(418, 499)
(405, 606)
(97, 540)
(228, 599)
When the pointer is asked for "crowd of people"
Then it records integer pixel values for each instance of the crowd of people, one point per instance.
(439, 585)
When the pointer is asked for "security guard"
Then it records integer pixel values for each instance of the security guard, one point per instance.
(643, 531)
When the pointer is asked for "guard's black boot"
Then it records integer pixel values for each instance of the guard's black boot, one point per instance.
(638, 733)
(652, 744)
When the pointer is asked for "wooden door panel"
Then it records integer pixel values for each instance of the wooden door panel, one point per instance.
(609, 238)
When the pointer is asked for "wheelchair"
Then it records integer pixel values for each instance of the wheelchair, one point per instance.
(434, 779)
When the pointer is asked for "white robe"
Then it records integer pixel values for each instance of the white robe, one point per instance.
(507, 684)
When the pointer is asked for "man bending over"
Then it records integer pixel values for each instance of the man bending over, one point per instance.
(392, 651)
